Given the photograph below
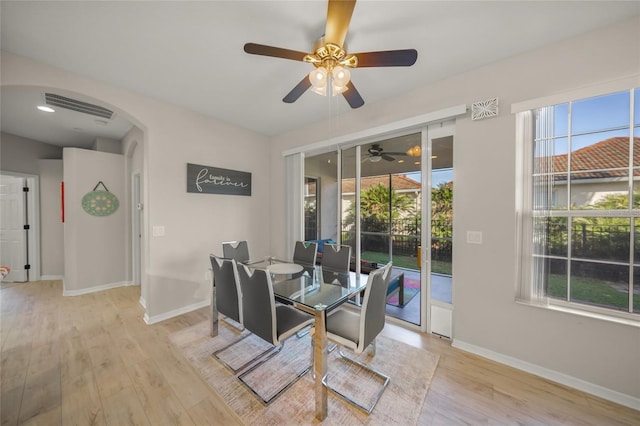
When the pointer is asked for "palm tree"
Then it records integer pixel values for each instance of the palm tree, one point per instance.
(374, 208)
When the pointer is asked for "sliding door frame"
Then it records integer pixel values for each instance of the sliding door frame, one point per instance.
(431, 125)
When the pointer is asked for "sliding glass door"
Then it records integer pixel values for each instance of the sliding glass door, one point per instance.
(388, 199)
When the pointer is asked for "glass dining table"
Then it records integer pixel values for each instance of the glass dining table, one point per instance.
(318, 291)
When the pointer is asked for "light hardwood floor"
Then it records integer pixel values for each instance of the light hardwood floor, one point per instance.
(91, 359)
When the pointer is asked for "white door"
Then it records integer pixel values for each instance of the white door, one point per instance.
(13, 236)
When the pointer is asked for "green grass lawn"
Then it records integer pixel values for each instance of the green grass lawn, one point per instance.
(591, 291)
(409, 262)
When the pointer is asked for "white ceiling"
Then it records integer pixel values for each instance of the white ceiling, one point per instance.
(191, 53)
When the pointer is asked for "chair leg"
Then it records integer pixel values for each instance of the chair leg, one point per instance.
(300, 334)
(248, 363)
(280, 391)
(383, 376)
(233, 323)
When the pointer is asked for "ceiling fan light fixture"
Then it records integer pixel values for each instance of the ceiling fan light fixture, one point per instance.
(375, 159)
(318, 77)
(341, 76)
(415, 151)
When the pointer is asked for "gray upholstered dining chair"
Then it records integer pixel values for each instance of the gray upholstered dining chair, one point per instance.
(239, 251)
(228, 301)
(336, 257)
(357, 331)
(304, 254)
(273, 323)
(227, 295)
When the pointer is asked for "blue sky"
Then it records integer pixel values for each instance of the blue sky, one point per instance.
(587, 116)
(439, 176)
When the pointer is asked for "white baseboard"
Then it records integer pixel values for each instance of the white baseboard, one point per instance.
(51, 277)
(142, 302)
(564, 379)
(95, 289)
(165, 316)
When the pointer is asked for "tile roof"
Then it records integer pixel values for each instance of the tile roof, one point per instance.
(597, 160)
(398, 182)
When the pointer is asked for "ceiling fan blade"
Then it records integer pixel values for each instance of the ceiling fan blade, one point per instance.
(396, 153)
(352, 96)
(338, 18)
(387, 58)
(387, 157)
(276, 52)
(297, 91)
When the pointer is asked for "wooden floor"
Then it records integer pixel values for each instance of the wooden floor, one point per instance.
(91, 359)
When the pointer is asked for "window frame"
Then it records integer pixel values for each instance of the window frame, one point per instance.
(529, 291)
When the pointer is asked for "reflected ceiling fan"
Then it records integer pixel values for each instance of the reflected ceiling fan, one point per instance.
(376, 153)
(331, 60)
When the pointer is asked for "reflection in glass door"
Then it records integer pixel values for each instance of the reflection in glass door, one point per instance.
(389, 222)
(321, 197)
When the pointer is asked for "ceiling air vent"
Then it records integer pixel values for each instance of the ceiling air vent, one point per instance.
(75, 105)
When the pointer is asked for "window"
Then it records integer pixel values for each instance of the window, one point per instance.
(579, 211)
(311, 208)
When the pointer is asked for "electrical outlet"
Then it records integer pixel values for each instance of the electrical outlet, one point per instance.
(158, 231)
(474, 237)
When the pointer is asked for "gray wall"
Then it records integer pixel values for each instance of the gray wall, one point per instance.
(51, 226)
(18, 154)
(94, 245)
(108, 145)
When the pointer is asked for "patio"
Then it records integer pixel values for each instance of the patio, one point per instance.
(441, 289)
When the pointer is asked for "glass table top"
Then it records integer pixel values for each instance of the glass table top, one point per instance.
(320, 289)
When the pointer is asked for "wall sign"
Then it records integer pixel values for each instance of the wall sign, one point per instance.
(214, 180)
(100, 203)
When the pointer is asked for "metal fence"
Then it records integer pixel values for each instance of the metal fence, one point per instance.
(405, 237)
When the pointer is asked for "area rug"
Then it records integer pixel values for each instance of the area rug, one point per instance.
(411, 288)
(411, 370)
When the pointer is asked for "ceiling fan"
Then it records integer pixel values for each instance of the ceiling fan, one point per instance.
(376, 153)
(330, 59)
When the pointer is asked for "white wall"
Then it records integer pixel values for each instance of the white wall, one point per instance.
(51, 226)
(94, 245)
(598, 356)
(174, 277)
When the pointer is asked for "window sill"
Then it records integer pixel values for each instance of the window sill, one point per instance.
(570, 309)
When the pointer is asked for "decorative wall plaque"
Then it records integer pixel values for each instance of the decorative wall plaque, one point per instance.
(214, 180)
(100, 203)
